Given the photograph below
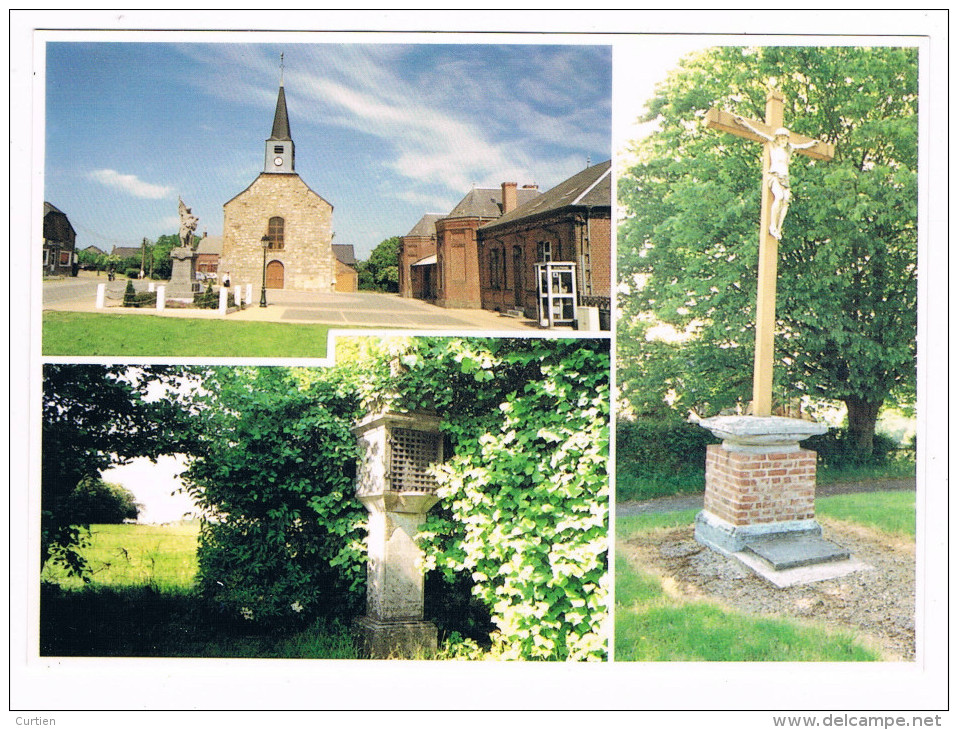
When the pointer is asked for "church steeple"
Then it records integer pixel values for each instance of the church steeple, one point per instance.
(280, 150)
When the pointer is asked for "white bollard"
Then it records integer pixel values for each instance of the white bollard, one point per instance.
(100, 296)
(160, 298)
(249, 294)
(223, 293)
(151, 286)
(238, 295)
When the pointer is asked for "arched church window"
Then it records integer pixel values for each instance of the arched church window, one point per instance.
(277, 227)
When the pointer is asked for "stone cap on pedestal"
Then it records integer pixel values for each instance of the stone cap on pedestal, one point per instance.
(397, 453)
(418, 421)
(761, 434)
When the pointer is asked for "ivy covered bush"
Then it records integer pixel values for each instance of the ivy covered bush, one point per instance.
(524, 499)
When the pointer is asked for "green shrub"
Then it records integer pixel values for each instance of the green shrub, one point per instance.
(661, 446)
(100, 502)
(835, 451)
(133, 273)
(283, 535)
(208, 299)
(129, 295)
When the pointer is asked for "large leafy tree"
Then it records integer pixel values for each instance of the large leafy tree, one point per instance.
(94, 417)
(381, 271)
(273, 468)
(162, 262)
(847, 290)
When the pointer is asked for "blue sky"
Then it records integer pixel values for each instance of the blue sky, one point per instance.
(384, 132)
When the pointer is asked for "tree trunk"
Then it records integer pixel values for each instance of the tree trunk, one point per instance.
(862, 416)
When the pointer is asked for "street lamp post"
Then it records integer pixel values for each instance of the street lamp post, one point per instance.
(262, 296)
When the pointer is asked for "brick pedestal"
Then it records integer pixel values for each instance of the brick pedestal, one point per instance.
(758, 483)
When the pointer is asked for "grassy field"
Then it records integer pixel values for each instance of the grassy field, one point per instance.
(81, 333)
(133, 556)
(652, 626)
(141, 602)
(891, 512)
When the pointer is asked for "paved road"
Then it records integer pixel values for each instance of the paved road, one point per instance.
(359, 309)
(75, 290)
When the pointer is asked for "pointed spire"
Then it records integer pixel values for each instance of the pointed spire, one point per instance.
(281, 117)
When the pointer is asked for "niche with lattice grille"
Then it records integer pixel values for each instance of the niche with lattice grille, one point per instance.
(396, 453)
(411, 455)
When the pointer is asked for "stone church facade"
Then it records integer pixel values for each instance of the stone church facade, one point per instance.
(296, 222)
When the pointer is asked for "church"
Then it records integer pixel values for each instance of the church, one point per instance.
(279, 215)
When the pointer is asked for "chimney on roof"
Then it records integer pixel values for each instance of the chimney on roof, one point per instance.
(508, 197)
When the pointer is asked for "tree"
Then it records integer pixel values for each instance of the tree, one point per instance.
(95, 501)
(94, 417)
(847, 289)
(273, 469)
(162, 261)
(381, 271)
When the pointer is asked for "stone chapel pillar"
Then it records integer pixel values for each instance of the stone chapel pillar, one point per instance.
(392, 482)
(760, 492)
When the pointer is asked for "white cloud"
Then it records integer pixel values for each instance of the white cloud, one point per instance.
(131, 184)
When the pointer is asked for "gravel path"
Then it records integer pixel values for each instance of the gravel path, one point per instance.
(877, 605)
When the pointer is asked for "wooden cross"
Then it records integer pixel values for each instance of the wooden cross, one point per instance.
(775, 192)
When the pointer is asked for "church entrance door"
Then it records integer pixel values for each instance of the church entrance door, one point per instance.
(274, 275)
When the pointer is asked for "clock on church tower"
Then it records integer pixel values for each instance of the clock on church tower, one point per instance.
(280, 151)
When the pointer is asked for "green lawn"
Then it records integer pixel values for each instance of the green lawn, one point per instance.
(652, 626)
(141, 601)
(126, 556)
(892, 512)
(82, 333)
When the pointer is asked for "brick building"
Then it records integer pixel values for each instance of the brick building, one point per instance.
(417, 260)
(59, 243)
(457, 255)
(208, 252)
(279, 207)
(570, 223)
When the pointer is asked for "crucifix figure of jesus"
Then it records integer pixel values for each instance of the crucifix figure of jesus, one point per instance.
(779, 144)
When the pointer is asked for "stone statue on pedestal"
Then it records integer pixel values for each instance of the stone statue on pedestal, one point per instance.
(188, 223)
(183, 284)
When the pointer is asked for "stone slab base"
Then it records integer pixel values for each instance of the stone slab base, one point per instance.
(796, 551)
(801, 575)
(723, 536)
(395, 639)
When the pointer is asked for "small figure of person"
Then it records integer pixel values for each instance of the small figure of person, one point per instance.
(226, 279)
(780, 150)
